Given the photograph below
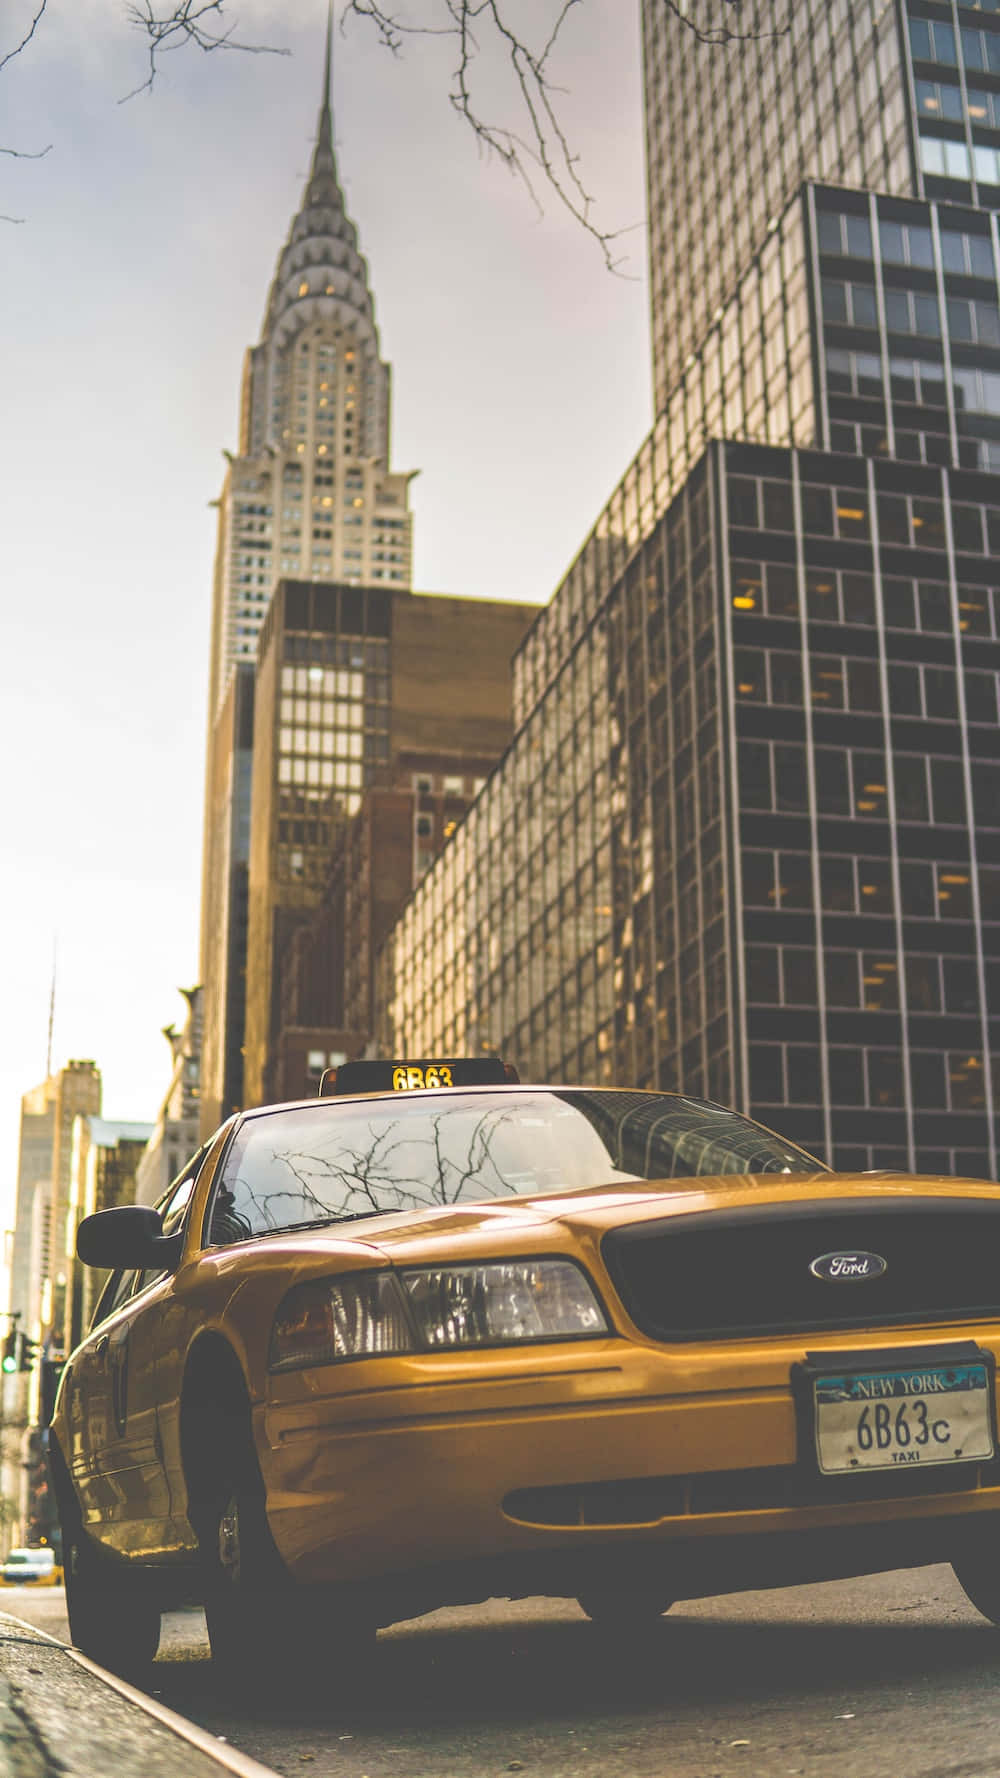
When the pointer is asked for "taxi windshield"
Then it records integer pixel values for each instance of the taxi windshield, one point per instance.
(329, 1162)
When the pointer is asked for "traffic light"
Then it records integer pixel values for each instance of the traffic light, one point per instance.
(9, 1361)
(27, 1354)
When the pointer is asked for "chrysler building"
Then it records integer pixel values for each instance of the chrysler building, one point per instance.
(309, 495)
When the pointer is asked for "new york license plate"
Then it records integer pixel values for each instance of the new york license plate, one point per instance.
(891, 1419)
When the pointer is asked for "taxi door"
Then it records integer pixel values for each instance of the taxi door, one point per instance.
(87, 1398)
(113, 1407)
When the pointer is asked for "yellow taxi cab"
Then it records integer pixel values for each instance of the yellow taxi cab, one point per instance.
(437, 1336)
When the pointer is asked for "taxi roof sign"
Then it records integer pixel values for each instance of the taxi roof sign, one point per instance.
(414, 1076)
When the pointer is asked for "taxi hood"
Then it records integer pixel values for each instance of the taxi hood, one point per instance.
(541, 1223)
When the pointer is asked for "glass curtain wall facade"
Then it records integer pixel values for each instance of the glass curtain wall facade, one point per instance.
(733, 132)
(753, 377)
(786, 644)
(954, 64)
(321, 730)
(908, 296)
(748, 844)
(866, 793)
(508, 941)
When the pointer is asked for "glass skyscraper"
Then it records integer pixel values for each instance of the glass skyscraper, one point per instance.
(746, 841)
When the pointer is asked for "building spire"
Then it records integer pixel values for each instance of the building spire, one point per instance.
(325, 134)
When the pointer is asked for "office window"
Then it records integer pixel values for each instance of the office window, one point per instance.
(905, 243)
(939, 99)
(912, 311)
(934, 41)
(950, 160)
(972, 254)
(846, 235)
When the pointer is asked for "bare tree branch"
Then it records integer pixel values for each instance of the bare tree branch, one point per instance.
(29, 34)
(719, 33)
(24, 154)
(543, 152)
(182, 24)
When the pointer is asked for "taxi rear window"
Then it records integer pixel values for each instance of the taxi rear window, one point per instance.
(331, 1162)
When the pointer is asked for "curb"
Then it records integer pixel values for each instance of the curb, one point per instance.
(62, 1716)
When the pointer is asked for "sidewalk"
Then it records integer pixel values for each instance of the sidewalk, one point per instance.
(62, 1717)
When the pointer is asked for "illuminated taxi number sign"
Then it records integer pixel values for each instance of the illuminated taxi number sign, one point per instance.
(893, 1419)
(400, 1076)
(431, 1074)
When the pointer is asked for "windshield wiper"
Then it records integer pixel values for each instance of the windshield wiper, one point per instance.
(325, 1222)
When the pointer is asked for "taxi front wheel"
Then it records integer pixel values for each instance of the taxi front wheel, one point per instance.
(624, 1609)
(244, 1609)
(260, 1624)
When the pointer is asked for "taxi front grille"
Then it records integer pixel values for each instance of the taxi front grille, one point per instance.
(647, 1500)
(746, 1271)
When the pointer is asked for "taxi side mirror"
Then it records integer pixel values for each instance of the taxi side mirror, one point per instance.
(126, 1238)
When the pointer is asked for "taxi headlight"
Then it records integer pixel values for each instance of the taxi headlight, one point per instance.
(438, 1308)
(495, 1305)
(352, 1317)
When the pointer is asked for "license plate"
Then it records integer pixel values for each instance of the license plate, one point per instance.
(894, 1419)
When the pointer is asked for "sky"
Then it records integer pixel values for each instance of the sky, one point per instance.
(130, 288)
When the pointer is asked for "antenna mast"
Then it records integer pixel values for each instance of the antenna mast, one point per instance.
(52, 1013)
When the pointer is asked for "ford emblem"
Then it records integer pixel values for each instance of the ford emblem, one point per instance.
(849, 1267)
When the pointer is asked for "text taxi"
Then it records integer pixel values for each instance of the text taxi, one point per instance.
(438, 1335)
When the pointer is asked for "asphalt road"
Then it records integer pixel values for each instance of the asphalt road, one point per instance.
(896, 1675)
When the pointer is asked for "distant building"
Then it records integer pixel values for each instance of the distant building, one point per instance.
(309, 495)
(351, 682)
(39, 1273)
(225, 870)
(174, 1137)
(34, 1177)
(37, 1277)
(75, 1091)
(106, 1157)
(327, 986)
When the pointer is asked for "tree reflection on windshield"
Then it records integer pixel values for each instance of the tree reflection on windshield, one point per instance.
(329, 1161)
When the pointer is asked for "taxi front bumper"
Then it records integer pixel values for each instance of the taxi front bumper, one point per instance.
(548, 1459)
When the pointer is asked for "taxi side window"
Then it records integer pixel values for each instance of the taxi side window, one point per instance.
(234, 1213)
(118, 1287)
(173, 1209)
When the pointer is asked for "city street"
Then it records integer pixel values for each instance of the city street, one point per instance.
(501, 1055)
(894, 1674)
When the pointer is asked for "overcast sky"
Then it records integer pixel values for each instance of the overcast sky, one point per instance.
(128, 295)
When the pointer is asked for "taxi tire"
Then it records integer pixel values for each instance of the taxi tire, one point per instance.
(262, 1628)
(624, 1610)
(243, 1579)
(111, 1619)
(979, 1578)
(246, 1602)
